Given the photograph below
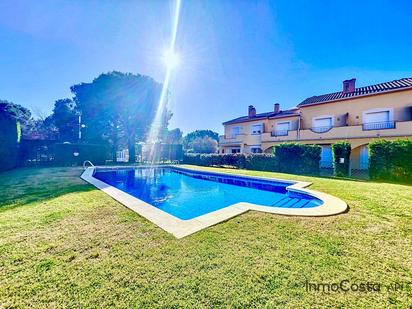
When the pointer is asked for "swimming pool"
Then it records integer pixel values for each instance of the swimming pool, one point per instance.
(184, 200)
(190, 194)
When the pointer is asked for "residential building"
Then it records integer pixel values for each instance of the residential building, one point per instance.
(357, 115)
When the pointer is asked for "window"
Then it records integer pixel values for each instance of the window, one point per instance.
(282, 129)
(257, 128)
(378, 119)
(256, 150)
(235, 131)
(235, 150)
(322, 124)
(223, 151)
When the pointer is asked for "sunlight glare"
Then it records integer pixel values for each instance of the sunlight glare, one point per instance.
(171, 59)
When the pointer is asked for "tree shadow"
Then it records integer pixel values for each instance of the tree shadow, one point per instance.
(24, 186)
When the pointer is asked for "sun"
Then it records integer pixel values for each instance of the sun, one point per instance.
(171, 59)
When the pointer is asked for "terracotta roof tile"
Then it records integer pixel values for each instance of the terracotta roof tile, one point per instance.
(382, 87)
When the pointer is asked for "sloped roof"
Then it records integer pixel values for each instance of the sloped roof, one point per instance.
(378, 88)
(280, 114)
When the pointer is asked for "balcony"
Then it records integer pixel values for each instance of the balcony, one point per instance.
(331, 134)
(279, 133)
(231, 140)
(321, 129)
(378, 125)
(280, 136)
(366, 130)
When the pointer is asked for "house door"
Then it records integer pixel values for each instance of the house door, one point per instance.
(363, 158)
(326, 159)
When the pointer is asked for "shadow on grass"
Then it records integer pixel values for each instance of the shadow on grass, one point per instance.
(29, 185)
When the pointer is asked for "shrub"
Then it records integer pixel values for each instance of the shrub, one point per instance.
(9, 142)
(341, 150)
(262, 162)
(298, 158)
(64, 154)
(204, 144)
(391, 160)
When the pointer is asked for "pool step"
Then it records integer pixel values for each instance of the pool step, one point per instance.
(291, 202)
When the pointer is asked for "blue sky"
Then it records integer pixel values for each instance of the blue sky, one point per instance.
(233, 53)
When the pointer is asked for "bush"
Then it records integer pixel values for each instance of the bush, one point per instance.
(289, 158)
(64, 154)
(262, 162)
(204, 144)
(9, 142)
(298, 158)
(391, 160)
(341, 150)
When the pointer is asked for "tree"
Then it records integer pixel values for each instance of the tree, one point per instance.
(204, 144)
(66, 119)
(15, 111)
(40, 129)
(174, 136)
(119, 108)
(190, 137)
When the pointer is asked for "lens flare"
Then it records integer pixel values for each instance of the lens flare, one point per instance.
(171, 60)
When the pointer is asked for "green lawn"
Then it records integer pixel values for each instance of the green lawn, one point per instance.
(65, 244)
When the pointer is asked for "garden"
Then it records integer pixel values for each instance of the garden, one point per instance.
(64, 243)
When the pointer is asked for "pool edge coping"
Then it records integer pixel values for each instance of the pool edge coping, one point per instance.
(181, 228)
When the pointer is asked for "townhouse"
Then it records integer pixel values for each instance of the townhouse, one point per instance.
(357, 115)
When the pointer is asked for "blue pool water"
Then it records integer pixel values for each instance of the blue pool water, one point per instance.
(188, 194)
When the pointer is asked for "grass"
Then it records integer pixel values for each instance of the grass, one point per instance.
(65, 244)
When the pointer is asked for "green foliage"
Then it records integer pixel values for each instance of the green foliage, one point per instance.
(174, 136)
(119, 108)
(9, 142)
(204, 144)
(16, 111)
(297, 158)
(64, 154)
(289, 158)
(190, 137)
(391, 160)
(65, 118)
(341, 150)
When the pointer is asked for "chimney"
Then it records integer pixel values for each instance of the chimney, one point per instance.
(276, 108)
(349, 85)
(251, 111)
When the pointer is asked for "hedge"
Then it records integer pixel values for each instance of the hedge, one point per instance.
(297, 158)
(341, 150)
(9, 142)
(65, 154)
(288, 158)
(391, 160)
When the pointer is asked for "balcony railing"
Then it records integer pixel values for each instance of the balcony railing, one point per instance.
(279, 133)
(378, 125)
(321, 129)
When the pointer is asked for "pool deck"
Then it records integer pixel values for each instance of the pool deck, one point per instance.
(181, 228)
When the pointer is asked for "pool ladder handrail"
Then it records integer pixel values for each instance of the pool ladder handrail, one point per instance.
(87, 161)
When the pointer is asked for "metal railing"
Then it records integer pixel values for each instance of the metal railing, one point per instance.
(279, 133)
(321, 129)
(378, 125)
